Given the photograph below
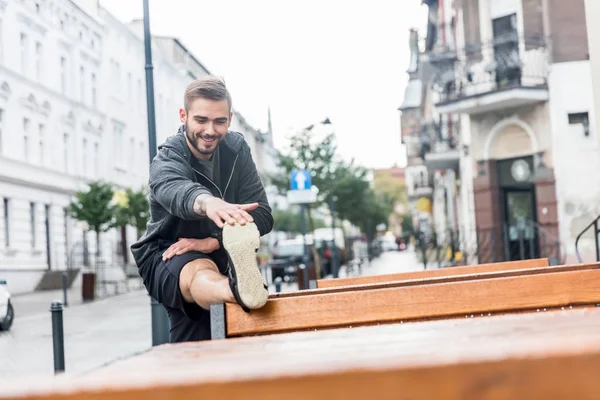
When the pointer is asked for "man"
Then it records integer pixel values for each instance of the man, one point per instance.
(208, 209)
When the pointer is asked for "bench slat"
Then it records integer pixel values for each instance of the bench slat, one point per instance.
(400, 303)
(452, 271)
(529, 356)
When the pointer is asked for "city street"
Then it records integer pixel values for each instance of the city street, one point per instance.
(105, 330)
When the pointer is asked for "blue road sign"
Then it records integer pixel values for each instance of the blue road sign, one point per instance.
(300, 180)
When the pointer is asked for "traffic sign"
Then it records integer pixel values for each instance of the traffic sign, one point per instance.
(300, 179)
(301, 196)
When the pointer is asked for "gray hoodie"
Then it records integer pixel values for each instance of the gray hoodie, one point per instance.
(175, 183)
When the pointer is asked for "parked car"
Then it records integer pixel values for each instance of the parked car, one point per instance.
(388, 243)
(7, 313)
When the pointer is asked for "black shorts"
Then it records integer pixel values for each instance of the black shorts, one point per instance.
(188, 321)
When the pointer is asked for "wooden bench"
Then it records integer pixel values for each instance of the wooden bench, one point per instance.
(527, 356)
(492, 267)
(458, 296)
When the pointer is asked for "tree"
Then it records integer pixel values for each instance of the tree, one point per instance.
(131, 208)
(94, 207)
(307, 153)
(139, 210)
(290, 221)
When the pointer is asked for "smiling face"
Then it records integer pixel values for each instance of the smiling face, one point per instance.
(206, 122)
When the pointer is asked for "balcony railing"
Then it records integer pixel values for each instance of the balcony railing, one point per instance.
(508, 62)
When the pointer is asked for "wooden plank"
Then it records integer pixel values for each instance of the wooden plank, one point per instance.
(531, 356)
(453, 271)
(406, 302)
(440, 279)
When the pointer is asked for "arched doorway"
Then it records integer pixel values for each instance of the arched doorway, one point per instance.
(509, 195)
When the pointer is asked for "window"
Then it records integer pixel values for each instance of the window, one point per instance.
(41, 143)
(84, 157)
(63, 75)
(66, 151)
(26, 139)
(82, 84)
(6, 222)
(94, 98)
(129, 88)
(32, 223)
(119, 142)
(581, 118)
(1, 130)
(24, 54)
(131, 153)
(38, 61)
(1, 43)
(96, 158)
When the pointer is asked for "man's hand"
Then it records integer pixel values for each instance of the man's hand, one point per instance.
(182, 246)
(223, 213)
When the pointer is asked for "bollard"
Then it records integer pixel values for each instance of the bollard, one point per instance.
(278, 282)
(160, 323)
(304, 275)
(58, 340)
(64, 286)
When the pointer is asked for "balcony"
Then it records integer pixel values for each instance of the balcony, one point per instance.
(439, 146)
(509, 72)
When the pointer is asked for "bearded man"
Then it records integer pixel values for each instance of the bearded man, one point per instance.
(208, 209)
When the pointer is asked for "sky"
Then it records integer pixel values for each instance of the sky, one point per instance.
(306, 60)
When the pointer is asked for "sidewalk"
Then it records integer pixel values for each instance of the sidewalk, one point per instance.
(27, 304)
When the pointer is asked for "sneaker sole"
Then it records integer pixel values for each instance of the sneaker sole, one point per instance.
(241, 242)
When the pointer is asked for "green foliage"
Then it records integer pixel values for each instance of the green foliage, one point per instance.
(407, 224)
(290, 221)
(94, 206)
(347, 183)
(139, 210)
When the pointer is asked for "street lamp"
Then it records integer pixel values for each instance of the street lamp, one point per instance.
(160, 318)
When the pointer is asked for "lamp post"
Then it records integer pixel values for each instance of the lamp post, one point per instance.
(160, 319)
(334, 260)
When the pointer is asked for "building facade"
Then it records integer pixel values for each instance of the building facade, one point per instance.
(514, 79)
(73, 110)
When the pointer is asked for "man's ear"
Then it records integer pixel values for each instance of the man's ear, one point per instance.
(230, 118)
(182, 115)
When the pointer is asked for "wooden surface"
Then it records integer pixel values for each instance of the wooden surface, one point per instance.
(453, 271)
(531, 356)
(500, 292)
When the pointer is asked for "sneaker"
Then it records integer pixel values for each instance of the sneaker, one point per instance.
(247, 284)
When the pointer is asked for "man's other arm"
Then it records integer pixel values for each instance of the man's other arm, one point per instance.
(173, 186)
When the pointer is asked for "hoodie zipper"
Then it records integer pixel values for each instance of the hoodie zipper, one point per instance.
(214, 184)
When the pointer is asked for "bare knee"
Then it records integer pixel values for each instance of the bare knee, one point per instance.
(186, 276)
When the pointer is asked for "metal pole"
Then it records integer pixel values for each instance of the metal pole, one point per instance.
(303, 229)
(160, 319)
(160, 323)
(64, 286)
(334, 261)
(58, 340)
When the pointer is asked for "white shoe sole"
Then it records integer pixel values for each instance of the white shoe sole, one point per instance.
(241, 242)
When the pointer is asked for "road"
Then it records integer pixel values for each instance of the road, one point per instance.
(102, 331)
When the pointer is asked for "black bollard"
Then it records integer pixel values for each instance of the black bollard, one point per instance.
(64, 286)
(278, 282)
(304, 275)
(160, 323)
(58, 339)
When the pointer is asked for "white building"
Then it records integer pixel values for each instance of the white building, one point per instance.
(73, 110)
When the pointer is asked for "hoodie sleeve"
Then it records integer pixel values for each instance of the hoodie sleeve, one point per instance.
(251, 190)
(173, 186)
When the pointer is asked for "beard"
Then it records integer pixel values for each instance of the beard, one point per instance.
(198, 141)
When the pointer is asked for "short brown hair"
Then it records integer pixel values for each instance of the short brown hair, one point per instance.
(208, 87)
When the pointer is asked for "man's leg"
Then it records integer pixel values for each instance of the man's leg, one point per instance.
(201, 282)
